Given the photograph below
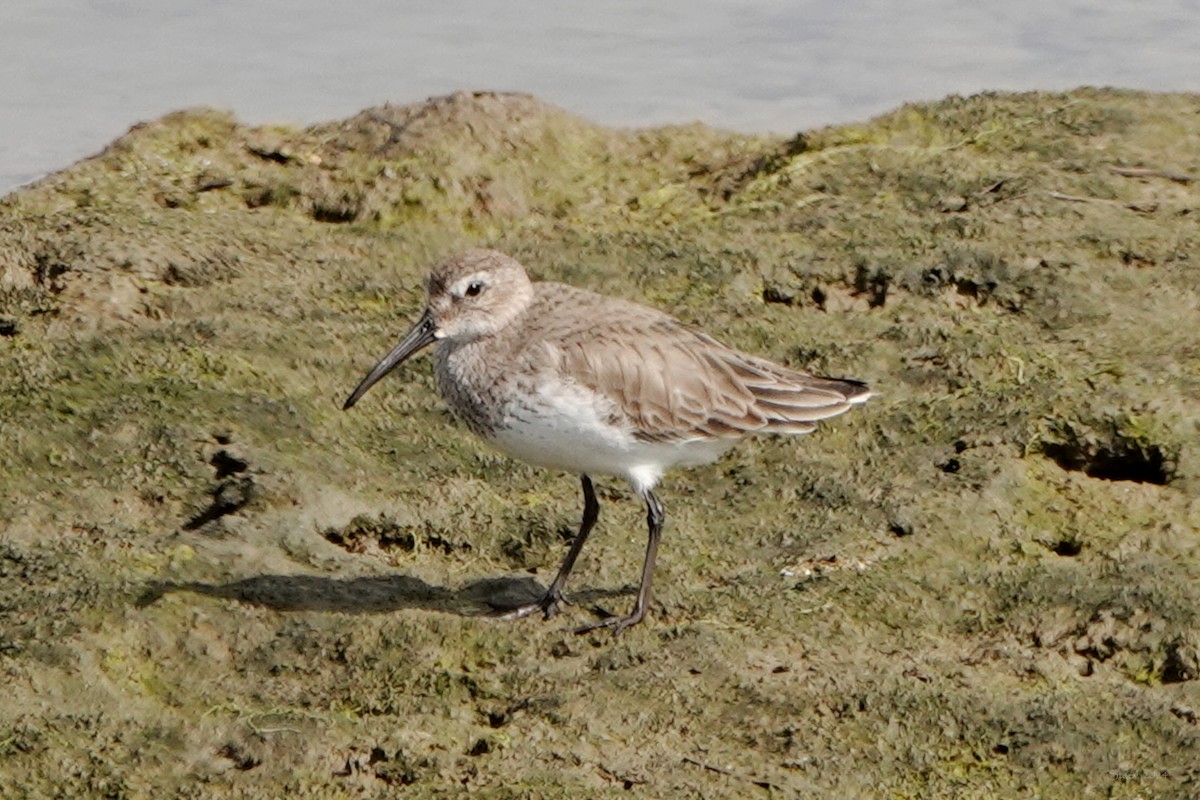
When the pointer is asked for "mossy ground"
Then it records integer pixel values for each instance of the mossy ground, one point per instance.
(984, 583)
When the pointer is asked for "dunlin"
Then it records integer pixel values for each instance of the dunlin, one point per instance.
(567, 379)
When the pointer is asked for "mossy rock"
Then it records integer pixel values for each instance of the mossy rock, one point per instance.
(982, 583)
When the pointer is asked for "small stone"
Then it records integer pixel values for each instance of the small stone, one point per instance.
(952, 203)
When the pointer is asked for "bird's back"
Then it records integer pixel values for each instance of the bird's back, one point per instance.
(666, 381)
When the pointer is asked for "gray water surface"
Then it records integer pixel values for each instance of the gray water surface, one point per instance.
(74, 74)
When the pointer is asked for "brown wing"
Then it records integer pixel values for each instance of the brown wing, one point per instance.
(670, 382)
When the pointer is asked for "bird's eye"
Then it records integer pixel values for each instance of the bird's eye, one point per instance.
(474, 288)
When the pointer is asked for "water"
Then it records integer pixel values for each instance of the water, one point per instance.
(75, 74)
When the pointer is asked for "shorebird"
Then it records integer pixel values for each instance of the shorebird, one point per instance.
(568, 379)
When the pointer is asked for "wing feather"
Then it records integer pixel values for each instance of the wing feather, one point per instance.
(669, 382)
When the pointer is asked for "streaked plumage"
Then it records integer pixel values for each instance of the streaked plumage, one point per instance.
(568, 379)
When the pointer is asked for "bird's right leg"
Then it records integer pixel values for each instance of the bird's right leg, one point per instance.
(549, 604)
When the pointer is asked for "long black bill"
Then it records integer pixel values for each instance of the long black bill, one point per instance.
(421, 335)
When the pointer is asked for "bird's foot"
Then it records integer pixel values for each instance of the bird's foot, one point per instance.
(617, 624)
(549, 605)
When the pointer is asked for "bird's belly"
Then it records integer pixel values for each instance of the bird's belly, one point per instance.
(572, 432)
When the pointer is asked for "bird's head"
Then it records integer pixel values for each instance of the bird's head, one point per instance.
(471, 295)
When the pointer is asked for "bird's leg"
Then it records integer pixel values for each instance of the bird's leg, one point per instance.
(549, 602)
(654, 521)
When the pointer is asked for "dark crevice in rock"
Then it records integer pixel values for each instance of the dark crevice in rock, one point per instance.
(1141, 464)
(1116, 449)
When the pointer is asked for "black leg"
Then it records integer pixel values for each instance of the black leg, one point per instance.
(549, 604)
(591, 510)
(654, 522)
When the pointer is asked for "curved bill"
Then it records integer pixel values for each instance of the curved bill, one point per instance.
(421, 335)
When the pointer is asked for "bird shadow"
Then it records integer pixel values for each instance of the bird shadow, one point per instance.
(374, 594)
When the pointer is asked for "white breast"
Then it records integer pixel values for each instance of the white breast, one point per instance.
(567, 426)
